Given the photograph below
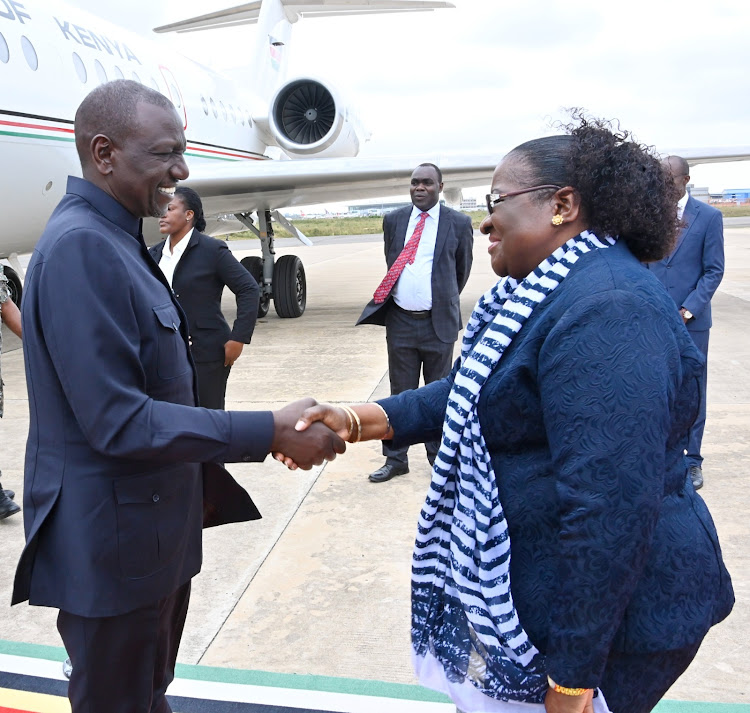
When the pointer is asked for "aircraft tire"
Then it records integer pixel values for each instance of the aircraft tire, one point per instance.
(14, 285)
(254, 265)
(289, 287)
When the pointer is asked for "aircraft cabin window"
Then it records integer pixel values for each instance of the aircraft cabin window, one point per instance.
(118, 73)
(213, 108)
(4, 53)
(136, 78)
(223, 110)
(155, 84)
(232, 114)
(204, 104)
(30, 53)
(80, 68)
(100, 71)
(249, 120)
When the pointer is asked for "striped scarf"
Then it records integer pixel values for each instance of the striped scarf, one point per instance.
(462, 609)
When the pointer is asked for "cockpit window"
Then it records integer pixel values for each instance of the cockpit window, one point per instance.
(80, 68)
(4, 53)
(30, 53)
(100, 71)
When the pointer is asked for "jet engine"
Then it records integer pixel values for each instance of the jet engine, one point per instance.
(307, 119)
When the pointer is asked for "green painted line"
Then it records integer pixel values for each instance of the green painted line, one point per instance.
(36, 136)
(330, 684)
(203, 155)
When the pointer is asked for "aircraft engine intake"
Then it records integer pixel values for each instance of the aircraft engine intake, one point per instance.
(307, 119)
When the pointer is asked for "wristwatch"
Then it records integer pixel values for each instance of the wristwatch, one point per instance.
(686, 313)
(557, 688)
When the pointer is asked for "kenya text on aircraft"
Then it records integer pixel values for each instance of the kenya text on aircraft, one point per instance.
(52, 55)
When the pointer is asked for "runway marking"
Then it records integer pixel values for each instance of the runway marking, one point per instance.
(31, 681)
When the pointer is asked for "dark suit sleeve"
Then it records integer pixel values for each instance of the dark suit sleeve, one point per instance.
(606, 422)
(713, 266)
(97, 357)
(465, 251)
(246, 292)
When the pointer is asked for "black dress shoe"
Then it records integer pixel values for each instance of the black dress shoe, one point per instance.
(7, 506)
(696, 476)
(387, 472)
(10, 493)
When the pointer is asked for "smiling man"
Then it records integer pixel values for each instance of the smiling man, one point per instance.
(428, 249)
(121, 471)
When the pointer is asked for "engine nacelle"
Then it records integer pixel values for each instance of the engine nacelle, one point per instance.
(306, 118)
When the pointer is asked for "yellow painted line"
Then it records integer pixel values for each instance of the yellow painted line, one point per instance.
(33, 702)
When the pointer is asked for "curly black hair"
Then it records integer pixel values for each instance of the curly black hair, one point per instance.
(192, 201)
(625, 191)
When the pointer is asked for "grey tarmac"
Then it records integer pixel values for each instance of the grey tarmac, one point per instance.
(320, 585)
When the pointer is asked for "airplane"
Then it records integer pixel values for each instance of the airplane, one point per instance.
(52, 55)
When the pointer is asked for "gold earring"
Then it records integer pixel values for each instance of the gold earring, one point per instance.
(557, 219)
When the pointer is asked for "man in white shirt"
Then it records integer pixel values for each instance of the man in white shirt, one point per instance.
(418, 300)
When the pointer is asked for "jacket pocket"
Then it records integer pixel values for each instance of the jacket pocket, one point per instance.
(152, 518)
(172, 360)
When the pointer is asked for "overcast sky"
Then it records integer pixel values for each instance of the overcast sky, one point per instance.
(490, 74)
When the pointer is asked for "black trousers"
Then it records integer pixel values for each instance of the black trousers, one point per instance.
(212, 383)
(413, 350)
(123, 664)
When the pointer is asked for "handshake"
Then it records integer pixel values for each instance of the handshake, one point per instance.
(307, 433)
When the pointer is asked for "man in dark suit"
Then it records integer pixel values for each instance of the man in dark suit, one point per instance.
(121, 470)
(198, 268)
(691, 273)
(428, 250)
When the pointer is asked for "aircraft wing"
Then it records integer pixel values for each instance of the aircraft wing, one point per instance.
(267, 185)
(249, 12)
(720, 154)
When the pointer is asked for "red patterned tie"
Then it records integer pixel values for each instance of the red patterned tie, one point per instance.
(407, 256)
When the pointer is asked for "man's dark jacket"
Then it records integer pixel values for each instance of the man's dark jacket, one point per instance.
(451, 265)
(114, 481)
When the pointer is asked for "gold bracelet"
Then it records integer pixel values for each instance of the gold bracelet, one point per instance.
(566, 691)
(359, 426)
(352, 420)
(387, 420)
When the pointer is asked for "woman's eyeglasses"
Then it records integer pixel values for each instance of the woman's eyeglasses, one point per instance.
(494, 198)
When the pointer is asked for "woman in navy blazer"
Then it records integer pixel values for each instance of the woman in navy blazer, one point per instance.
(616, 572)
(198, 270)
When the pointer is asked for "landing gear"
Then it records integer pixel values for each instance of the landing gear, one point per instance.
(289, 286)
(14, 285)
(282, 280)
(254, 265)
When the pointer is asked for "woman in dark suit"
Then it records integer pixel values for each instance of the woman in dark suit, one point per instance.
(563, 427)
(198, 268)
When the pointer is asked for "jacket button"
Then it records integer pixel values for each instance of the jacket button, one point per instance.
(176, 295)
(155, 497)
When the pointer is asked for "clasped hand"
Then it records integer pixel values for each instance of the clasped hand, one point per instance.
(303, 438)
(311, 418)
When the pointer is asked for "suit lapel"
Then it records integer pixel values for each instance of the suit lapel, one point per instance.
(691, 211)
(401, 228)
(442, 234)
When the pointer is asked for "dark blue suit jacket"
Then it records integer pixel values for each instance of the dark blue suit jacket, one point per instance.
(206, 266)
(693, 270)
(586, 419)
(113, 495)
(451, 265)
